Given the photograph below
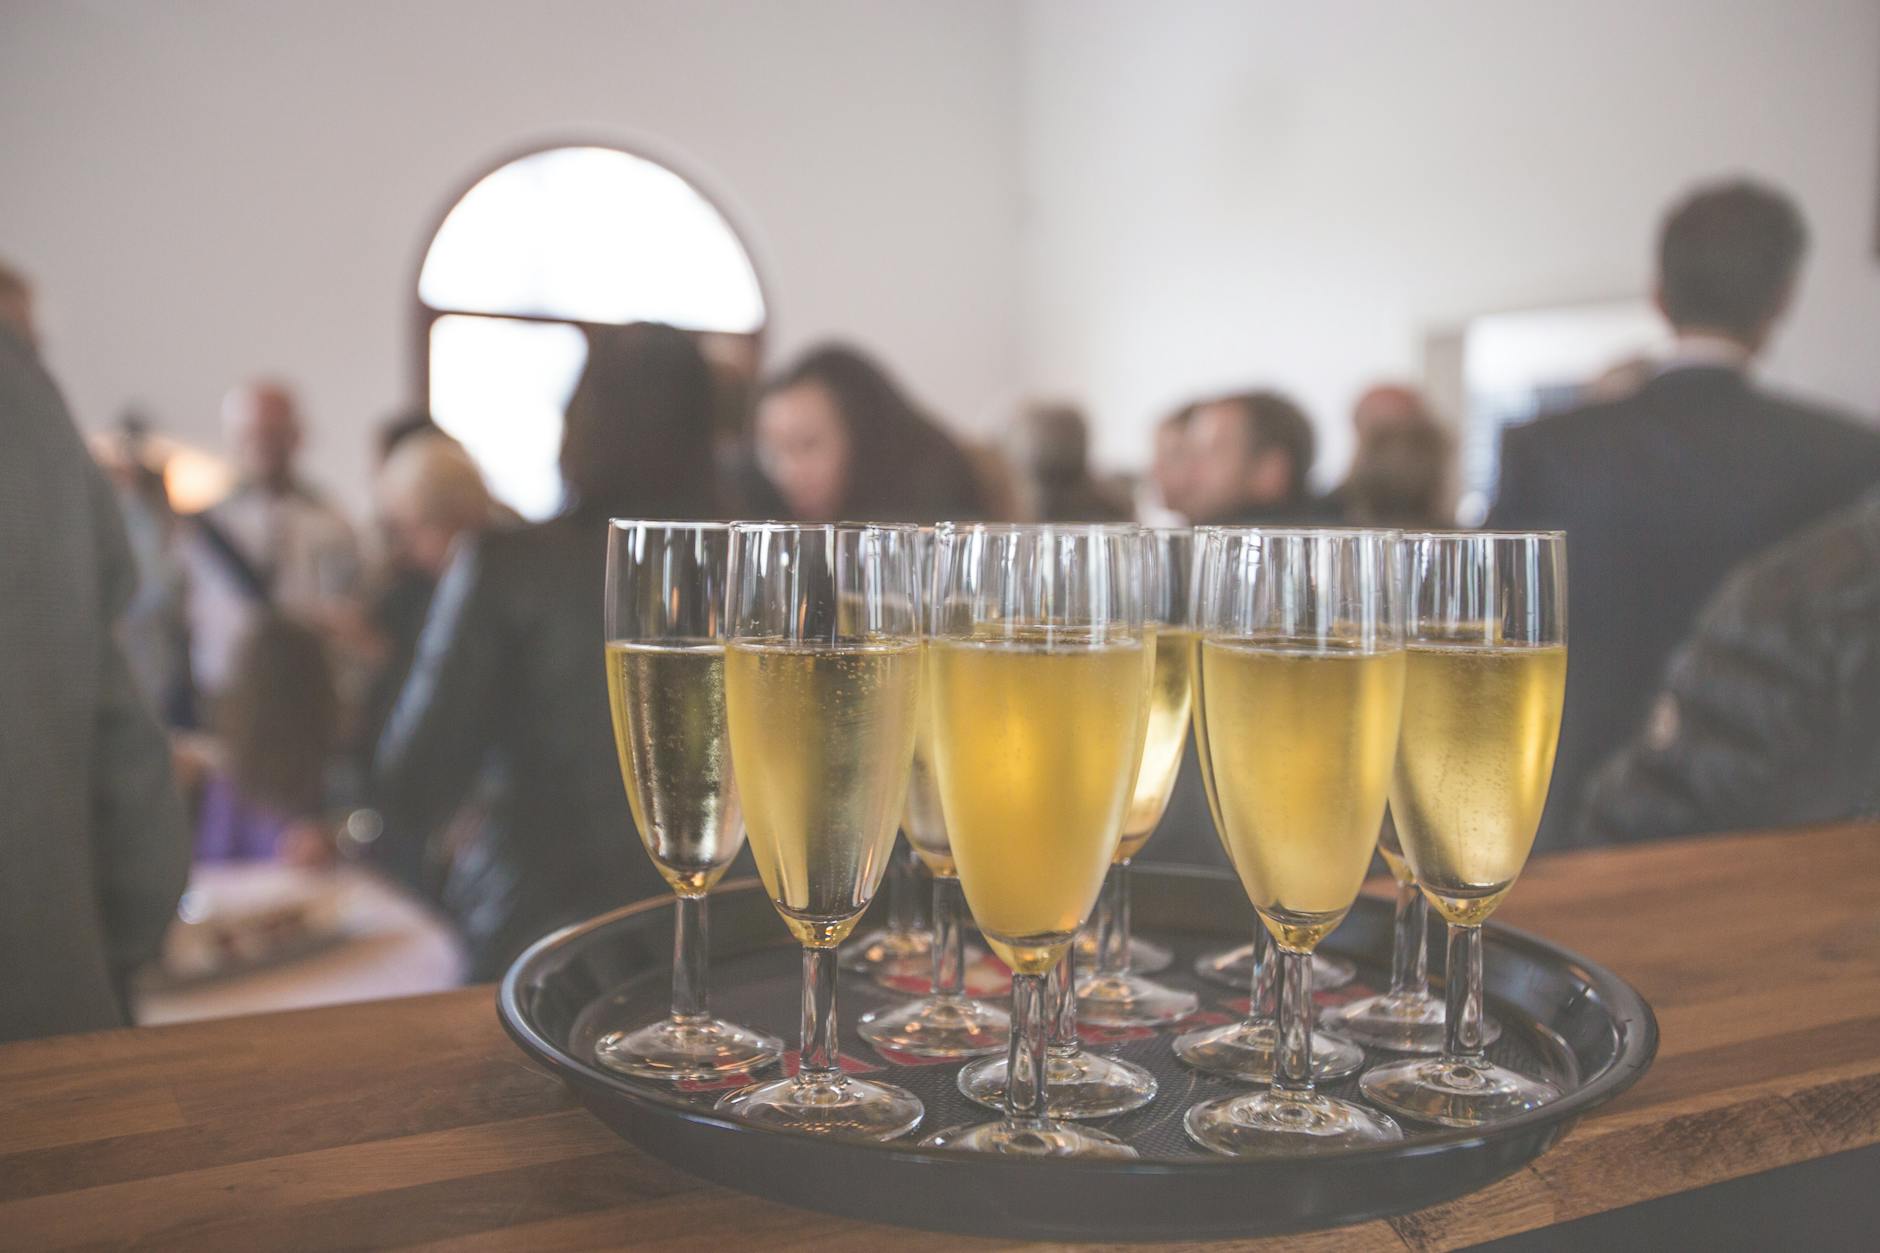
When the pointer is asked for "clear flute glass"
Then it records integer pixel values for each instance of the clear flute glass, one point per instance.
(665, 682)
(822, 681)
(1079, 1083)
(903, 944)
(1114, 995)
(1232, 967)
(1245, 1049)
(1300, 682)
(1037, 671)
(1485, 678)
(946, 1022)
(1406, 1018)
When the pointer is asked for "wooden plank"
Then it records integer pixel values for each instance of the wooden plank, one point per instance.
(328, 1129)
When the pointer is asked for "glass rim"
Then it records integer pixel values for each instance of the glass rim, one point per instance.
(840, 528)
(1292, 532)
(622, 524)
(1462, 533)
(1041, 528)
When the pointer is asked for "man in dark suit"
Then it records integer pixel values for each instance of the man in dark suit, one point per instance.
(1662, 492)
(92, 832)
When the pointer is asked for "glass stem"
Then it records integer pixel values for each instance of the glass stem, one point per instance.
(691, 985)
(1462, 995)
(1292, 1069)
(1062, 986)
(1025, 1056)
(901, 890)
(819, 1060)
(949, 940)
(1265, 1002)
(1113, 923)
(1409, 949)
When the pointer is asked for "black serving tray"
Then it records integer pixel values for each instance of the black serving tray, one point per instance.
(1562, 1017)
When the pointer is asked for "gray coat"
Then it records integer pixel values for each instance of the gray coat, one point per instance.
(94, 848)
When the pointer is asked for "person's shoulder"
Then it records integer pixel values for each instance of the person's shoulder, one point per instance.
(1822, 423)
(1834, 562)
(1580, 426)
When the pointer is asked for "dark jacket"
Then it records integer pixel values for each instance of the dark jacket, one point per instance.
(93, 840)
(505, 711)
(1770, 716)
(1661, 494)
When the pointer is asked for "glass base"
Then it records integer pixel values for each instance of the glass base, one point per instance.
(838, 1106)
(1454, 1093)
(1285, 1124)
(938, 1026)
(881, 951)
(1146, 957)
(1403, 1023)
(1244, 1050)
(1129, 1000)
(1043, 1138)
(1078, 1084)
(1233, 968)
(676, 1049)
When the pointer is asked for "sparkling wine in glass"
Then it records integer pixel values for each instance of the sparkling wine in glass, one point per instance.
(822, 676)
(946, 1022)
(1114, 995)
(666, 683)
(1485, 676)
(1300, 681)
(1037, 670)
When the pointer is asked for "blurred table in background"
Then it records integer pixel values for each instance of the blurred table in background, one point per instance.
(337, 935)
(416, 1122)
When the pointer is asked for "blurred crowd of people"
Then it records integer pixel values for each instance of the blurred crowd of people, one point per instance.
(429, 697)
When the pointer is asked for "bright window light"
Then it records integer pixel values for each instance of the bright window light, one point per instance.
(592, 235)
(571, 235)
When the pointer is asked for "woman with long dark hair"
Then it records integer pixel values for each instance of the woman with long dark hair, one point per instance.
(496, 773)
(837, 438)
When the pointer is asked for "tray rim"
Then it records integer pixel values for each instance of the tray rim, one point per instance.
(1638, 1049)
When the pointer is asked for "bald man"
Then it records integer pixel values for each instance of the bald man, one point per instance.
(275, 543)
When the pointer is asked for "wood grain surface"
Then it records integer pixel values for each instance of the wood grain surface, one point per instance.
(415, 1123)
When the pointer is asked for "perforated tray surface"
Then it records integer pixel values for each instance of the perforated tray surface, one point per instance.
(1562, 1017)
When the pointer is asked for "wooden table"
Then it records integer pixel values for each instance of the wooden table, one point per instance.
(415, 1122)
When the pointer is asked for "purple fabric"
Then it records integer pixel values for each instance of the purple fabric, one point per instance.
(231, 829)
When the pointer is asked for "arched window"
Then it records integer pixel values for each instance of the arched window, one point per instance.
(542, 248)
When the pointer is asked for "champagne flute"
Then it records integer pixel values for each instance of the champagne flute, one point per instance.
(666, 683)
(1113, 995)
(946, 1022)
(822, 675)
(1038, 673)
(1244, 1050)
(1300, 689)
(892, 949)
(1232, 967)
(1405, 1019)
(1486, 672)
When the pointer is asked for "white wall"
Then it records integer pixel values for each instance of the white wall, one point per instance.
(1223, 193)
(208, 188)
(1121, 201)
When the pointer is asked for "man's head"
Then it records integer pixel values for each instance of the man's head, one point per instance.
(16, 303)
(1246, 454)
(1727, 259)
(1168, 464)
(263, 426)
(430, 492)
(1384, 406)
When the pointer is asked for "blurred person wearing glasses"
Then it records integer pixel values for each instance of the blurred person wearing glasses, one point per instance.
(1663, 492)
